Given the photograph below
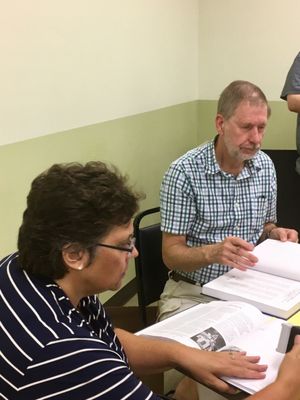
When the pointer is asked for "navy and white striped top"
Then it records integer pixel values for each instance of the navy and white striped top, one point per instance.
(49, 350)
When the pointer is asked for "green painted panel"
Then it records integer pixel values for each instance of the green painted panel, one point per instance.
(142, 146)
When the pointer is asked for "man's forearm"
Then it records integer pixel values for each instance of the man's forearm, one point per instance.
(232, 251)
(185, 258)
(293, 101)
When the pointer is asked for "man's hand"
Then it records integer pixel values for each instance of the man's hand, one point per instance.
(284, 234)
(232, 251)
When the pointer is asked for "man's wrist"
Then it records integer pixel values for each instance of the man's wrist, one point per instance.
(268, 228)
(269, 231)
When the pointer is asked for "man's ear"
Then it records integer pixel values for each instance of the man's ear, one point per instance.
(74, 256)
(219, 122)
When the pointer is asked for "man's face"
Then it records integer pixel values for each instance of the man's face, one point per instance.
(243, 132)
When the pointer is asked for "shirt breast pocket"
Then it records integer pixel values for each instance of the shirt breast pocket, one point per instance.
(259, 209)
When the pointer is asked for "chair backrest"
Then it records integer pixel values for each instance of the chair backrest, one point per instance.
(151, 272)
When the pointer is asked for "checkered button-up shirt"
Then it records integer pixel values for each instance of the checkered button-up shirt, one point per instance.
(206, 204)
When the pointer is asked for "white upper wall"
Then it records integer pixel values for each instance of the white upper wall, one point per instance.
(254, 40)
(71, 63)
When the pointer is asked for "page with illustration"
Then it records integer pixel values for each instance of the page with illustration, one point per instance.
(209, 326)
(224, 326)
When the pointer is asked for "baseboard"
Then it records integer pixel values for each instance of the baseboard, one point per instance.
(123, 295)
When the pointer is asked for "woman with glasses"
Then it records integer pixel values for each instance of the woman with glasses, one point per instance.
(56, 340)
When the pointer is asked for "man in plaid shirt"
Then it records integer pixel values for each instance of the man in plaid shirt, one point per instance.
(219, 200)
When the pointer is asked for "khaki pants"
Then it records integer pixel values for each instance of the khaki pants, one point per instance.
(179, 296)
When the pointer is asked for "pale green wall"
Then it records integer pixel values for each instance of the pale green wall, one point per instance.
(280, 132)
(141, 146)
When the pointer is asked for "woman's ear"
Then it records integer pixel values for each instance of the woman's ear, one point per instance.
(74, 256)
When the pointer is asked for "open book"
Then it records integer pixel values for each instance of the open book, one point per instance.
(273, 285)
(226, 325)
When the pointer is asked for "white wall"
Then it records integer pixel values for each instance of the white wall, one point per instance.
(71, 63)
(255, 40)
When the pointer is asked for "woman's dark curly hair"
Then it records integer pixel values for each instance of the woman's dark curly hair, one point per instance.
(71, 203)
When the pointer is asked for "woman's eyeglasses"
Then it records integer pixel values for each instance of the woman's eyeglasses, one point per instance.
(128, 249)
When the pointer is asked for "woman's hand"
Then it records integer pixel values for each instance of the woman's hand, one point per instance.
(208, 367)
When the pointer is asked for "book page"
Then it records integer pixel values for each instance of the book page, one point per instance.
(278, 258)
(223, 326)
(263, 341)
(271, 294)
(209, 326)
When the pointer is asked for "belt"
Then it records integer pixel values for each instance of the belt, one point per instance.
(178, 277)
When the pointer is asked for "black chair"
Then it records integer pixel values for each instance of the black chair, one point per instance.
(288, 187)
(151, 272)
